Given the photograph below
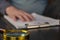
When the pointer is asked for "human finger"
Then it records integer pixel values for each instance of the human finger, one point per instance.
(20, 17)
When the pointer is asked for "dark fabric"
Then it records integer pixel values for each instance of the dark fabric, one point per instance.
(53, 10)
(3, 5)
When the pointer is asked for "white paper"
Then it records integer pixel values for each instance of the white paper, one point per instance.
(39, 19)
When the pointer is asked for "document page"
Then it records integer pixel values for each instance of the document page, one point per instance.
(39, 19)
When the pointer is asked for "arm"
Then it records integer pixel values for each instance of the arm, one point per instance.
(3, 5)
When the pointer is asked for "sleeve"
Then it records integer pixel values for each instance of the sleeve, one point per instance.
(3, 5)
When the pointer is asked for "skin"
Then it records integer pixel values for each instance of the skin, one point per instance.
(13, 12)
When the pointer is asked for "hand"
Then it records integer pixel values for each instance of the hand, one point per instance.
(22, 15)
